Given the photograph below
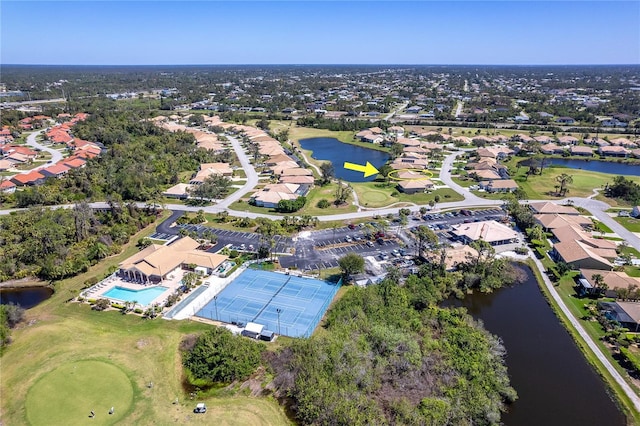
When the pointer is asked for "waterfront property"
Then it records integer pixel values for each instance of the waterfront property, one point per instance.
(627, 314)
(613, 282)
(290, 305)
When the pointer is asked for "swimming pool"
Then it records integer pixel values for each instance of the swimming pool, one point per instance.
(142, 297)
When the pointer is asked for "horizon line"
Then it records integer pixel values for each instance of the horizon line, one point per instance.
(318, 64)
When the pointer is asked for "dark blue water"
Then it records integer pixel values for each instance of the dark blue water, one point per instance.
(555, 384)
(597, 166)
(331, 149)
(26, 297)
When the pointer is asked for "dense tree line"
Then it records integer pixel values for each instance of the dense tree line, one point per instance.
(207, 358)
(291, 206)
(383, 360)
(624, 188)
(341, 124)
(57, 243)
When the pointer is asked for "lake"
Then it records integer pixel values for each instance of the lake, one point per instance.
(555, 384)
(26, 297)
(331, 149)
(597, 166)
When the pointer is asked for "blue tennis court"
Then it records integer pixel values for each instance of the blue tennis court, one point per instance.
(257, 296)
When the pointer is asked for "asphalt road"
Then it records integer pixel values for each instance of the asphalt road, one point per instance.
(55, 154)
(252, 176)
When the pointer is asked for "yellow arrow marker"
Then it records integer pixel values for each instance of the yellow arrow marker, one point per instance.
(369, 169)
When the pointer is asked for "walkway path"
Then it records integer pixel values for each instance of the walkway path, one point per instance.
(635, 399)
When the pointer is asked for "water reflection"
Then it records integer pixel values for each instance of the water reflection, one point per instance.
(555, 384)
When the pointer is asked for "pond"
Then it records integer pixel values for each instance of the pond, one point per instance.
(331, 149)
(555, 384)
(26, 297)
(597, 166)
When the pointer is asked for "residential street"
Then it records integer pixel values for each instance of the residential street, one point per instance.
(55, 154)
(252, 177)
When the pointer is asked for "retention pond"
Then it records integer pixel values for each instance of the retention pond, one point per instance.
(331, 149)
(555, 384)
(26, 297)
(611, 167)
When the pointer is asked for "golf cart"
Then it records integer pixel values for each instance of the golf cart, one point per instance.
(200, 408)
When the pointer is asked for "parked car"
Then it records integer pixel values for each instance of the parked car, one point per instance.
(380, 241)
(351, 226)
(370, 243)
(348, 239)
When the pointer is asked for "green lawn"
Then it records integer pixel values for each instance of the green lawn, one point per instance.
(326, 192)
(630, 223)
(543, 186)
(88, 385)
(380, 194)
(62, 335)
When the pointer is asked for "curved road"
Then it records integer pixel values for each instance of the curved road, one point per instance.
(55, 154)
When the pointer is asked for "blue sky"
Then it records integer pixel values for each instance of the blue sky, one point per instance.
(325, 32)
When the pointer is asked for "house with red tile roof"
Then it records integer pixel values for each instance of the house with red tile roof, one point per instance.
(57, 170)
(7, 187)
(28, 179)
(74, 162)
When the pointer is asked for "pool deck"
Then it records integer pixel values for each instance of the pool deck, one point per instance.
(98, 290)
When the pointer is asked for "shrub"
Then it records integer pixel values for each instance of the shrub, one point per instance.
(102, 304)
(219, 356)
(91, 281)
(233, 254)
(323, 204)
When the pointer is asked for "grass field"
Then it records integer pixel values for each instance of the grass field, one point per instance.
(377, 194)
(89, 385)
(542, 186)
(316, 194)
(630, 223)
(60, 335)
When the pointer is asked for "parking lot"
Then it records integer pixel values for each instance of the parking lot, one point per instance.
(316, 250)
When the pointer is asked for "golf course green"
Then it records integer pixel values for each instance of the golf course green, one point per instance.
(68, 395)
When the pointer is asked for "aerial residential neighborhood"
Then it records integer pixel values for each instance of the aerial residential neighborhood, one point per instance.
(320, 213)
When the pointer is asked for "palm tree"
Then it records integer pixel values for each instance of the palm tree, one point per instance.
(536, 232)
(564, 179)
(598, 281)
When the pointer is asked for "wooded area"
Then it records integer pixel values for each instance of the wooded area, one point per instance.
(53, 244)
